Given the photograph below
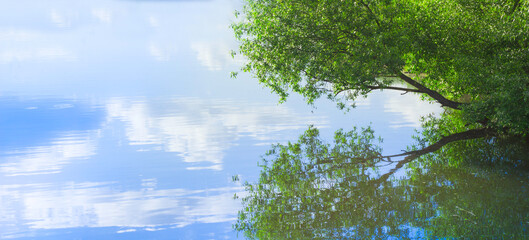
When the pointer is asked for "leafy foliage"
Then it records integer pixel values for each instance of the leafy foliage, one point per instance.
(300, 182)
(468, 51)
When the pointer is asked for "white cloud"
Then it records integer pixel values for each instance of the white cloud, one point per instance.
(214, 56)
(162, 54)
(23, 45)
(103, 15)
(153, 21)
(63, 19)
(217, 167)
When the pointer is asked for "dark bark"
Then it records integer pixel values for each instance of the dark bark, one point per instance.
(433, 94)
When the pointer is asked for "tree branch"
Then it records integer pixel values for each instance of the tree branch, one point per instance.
(433, 94)
(371, 11)
(394, 88)
(420, 89)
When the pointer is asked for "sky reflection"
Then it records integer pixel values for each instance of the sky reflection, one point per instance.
(152, 159)
(187, 133)
(200, 130)
(73, 205)
(118, 118)
(50, 158)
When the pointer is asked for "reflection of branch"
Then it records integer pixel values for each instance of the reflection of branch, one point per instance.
(466, 211)
(412, 155)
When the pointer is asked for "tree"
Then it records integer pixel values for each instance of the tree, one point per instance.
(311, 189)
(469, 55)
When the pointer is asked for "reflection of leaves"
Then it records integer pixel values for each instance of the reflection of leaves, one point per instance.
(235, 178)
(308, 180)
(472, 201)
(311, 189)
(495, 150)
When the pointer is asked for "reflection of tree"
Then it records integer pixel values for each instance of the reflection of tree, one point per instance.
(314, 190)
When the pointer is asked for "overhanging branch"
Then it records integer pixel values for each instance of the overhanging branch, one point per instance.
(419, 89)
(433, 94)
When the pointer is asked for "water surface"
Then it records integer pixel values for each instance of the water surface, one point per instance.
(118, 119)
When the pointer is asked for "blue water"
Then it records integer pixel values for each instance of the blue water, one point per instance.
(118, 120)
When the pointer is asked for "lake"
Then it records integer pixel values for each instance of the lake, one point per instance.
(119, 120)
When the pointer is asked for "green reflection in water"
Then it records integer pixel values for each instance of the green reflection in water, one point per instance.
(463, 185)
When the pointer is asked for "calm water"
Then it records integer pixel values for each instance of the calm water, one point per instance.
(118, 120)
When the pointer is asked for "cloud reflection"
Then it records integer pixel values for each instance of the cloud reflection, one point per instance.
(200, 131)
(410, 107)
(50, 158)
(42, 206)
